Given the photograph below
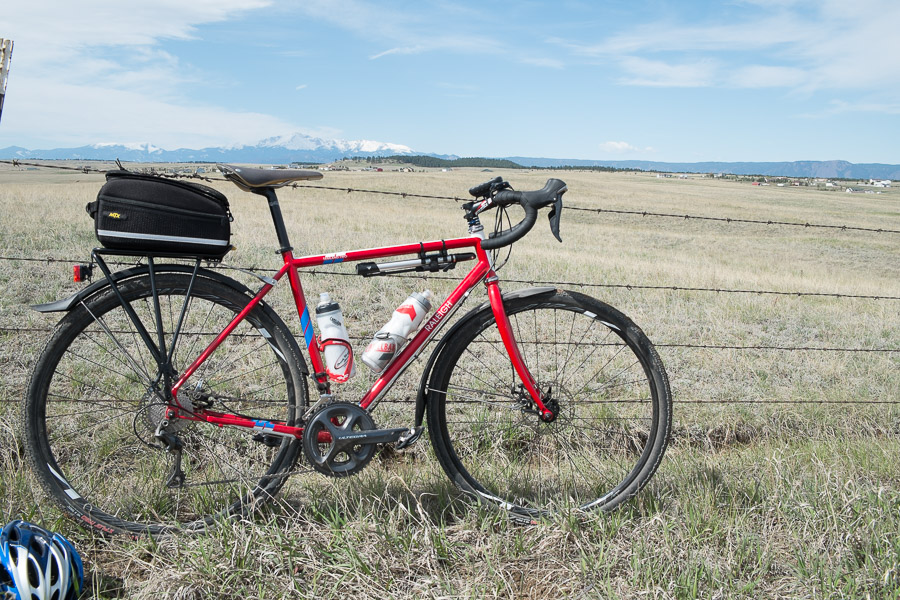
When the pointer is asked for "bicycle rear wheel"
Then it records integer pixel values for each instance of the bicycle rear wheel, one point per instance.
(97, 397)
(614, 408)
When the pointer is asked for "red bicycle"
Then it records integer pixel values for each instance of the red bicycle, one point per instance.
(170, 395)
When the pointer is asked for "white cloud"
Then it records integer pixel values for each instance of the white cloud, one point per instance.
(803, 45)
(90, 70)
(669, 37)
(661, 74)
(105, 113)
(401, 50)
(758, 76)
(837, 107)
(407, 31)
(621, 148)
(58, 29)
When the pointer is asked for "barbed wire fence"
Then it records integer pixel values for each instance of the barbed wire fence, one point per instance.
(568, 284)
(640, 213)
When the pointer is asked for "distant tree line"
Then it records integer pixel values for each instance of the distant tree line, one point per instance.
(589, 168)
(433, 162)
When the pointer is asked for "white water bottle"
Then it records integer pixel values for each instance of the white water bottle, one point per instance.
(334, 341)
(392, 337)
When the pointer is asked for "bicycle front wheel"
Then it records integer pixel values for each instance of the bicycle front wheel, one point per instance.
(97, 398)
(597, 368)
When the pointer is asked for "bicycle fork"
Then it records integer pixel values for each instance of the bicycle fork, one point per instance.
(541, 400)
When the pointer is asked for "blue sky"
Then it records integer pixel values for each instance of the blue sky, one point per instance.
(754, 80)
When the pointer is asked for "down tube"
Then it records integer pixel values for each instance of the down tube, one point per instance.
(406, 356)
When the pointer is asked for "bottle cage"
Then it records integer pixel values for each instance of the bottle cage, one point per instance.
(338, 377)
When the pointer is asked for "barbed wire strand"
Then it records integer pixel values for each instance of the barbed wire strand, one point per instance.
(580, 284)
(657, 344)
(641, 213)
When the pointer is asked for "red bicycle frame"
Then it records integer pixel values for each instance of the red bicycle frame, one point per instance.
(481, 271)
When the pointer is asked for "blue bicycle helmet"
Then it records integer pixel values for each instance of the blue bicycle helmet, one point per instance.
(36, 564)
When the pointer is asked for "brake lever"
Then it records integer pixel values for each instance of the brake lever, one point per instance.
(555, 214)
(484, 189)
(499, 187)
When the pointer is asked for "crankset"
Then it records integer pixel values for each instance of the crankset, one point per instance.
(340, 438)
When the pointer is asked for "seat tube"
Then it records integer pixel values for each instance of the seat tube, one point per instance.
(309, 338)
(512, 347)
(287, 254)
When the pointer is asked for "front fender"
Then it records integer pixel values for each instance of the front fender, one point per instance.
(472, 314)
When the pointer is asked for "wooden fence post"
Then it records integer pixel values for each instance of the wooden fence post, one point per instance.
(6, 48)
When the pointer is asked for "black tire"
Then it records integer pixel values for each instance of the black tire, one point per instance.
(96, 397)
(614, 415)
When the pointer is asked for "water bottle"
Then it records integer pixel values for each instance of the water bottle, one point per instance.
(334, 341)
(392, 337)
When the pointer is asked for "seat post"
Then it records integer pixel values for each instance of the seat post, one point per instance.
(277, 218)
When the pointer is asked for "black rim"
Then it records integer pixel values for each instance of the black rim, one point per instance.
(94, 436)
(597, 451)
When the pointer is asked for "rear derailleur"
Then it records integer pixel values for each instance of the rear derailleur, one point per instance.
(173, 445)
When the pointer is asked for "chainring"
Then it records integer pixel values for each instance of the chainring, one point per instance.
(337, 459)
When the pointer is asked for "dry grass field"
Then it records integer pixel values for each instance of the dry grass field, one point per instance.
(781, 479)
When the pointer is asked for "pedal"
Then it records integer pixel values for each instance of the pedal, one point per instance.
(267, 439)
(411, 437)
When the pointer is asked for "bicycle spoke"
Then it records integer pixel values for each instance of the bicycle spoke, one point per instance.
(102, 408)
(501, 447)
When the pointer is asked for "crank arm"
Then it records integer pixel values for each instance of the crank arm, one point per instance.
(375, 436)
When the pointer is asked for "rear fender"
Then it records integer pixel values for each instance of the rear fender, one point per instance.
(67, 304)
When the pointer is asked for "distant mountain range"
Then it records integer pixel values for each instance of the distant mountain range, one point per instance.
(804, 168)
(297, 147)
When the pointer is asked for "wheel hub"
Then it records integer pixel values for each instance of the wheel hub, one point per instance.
(529, 406)
(154, 409)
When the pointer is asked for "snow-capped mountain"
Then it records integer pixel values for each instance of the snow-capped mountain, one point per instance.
(293, 147)
(299, 147)
(299, 141)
